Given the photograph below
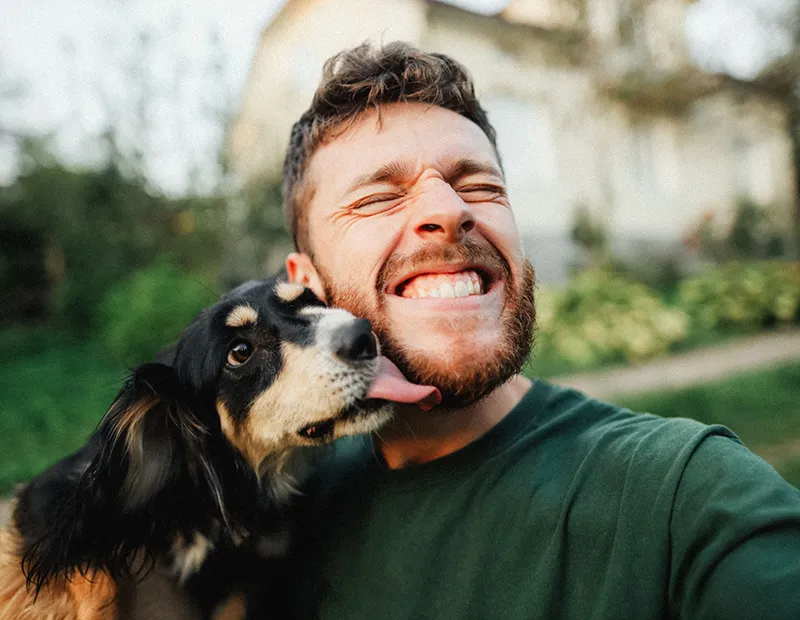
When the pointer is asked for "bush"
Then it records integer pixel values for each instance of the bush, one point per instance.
(753, 234)
(743, 295)
(148, 311)
(602, 317)
(70, 235)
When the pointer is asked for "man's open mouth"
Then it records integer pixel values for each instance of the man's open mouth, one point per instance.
(465, 283)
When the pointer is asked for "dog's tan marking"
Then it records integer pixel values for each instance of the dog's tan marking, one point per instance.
(89, 597)
(278, 413)
(189, 556)
(241, 316)
(289, 291)
(128, 426)
(283, 408)
(146, 474)
(241, 437)
(287, 405)
(229, 427)
(233, 608)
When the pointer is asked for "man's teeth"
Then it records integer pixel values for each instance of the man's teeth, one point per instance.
(445, 286)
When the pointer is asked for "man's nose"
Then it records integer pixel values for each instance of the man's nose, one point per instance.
(443, 215)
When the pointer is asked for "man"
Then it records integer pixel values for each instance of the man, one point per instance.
(509, 499)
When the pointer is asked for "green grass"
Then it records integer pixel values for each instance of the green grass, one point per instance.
(54, 388)
(790, 470)
(761, 407)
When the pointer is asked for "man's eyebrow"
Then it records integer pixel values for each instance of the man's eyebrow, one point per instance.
(388, 173)
(398, 171)
(465, 167)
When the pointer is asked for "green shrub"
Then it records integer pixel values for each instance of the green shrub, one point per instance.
(55, 386)
(753, 234)
(146, 312)
(602, 317)
(742, 295)
(69, 235)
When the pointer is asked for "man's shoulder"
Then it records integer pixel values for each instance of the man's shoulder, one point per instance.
(573, 413)
(615, 439)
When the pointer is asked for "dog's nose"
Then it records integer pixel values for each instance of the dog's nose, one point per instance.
(355, 341)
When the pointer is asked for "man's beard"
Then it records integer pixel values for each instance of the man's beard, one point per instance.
(469, 382)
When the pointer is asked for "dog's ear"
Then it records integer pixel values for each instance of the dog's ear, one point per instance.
(151, 467)
(147, 435)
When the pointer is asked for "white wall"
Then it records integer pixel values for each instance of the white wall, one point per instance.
(649, 176)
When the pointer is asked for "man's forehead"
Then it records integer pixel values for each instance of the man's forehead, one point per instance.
(405, 134)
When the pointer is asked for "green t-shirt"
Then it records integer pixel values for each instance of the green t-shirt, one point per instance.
(568, 508)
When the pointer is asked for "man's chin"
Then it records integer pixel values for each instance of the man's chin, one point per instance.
(466, 365)
(468, 362)
(463, 379)
(450, 353)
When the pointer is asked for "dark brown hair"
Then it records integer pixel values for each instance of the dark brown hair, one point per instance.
(355, 80)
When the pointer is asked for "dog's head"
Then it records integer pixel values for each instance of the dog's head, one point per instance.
(280, 370)
(186, 442)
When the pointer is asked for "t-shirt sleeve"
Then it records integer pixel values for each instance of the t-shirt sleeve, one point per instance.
(735, 537)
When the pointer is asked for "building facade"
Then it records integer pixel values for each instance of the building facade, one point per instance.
(596, 104)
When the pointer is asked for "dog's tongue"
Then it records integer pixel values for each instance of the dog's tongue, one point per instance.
(390, 384)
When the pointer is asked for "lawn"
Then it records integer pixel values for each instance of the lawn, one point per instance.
(54, 388)
(761, 407)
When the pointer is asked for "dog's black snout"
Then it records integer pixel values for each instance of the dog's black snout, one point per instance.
(355, 341)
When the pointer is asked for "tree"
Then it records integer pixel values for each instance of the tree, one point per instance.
(68, 235)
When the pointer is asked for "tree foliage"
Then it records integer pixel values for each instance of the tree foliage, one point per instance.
(147, 311)
(69, 235)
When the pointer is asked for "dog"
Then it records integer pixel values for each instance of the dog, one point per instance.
(192, 465)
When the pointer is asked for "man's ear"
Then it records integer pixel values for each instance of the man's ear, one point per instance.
(302, 271)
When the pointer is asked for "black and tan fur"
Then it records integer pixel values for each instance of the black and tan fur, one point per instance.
(189, 468)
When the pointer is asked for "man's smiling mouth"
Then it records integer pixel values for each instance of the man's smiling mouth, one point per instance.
(454, 278)
(464, 283)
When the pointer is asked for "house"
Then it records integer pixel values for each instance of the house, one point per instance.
(597, 106)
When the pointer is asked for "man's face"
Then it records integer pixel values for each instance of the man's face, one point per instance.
(410, 227)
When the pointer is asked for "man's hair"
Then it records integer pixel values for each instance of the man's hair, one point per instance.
(355, 80)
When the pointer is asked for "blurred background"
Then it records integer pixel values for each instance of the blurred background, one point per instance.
(652, 149)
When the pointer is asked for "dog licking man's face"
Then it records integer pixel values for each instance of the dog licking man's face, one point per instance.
(286, 371)
(197, 442)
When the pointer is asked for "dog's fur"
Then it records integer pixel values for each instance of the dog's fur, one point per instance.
(190, 465)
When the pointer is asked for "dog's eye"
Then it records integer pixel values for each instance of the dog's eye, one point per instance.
(239, 352)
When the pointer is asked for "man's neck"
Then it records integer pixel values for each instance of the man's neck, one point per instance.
(415, 437)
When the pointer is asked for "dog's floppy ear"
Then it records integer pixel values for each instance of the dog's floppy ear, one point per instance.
(151, 465)
(147, 434)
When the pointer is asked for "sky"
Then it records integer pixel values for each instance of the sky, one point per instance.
(737, 36)
(75, 65)
(76, 61)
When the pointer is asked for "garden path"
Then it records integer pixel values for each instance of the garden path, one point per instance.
(690, 368)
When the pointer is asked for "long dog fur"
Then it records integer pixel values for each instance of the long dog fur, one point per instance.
(189, 463)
